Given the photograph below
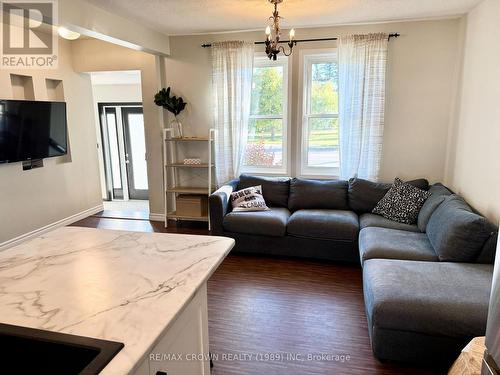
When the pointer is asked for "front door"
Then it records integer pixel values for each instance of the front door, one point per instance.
(135, 152)
(124, 151)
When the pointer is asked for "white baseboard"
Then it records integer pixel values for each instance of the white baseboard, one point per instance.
(156, 217)
(61, 223)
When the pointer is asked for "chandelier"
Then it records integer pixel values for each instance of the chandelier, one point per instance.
(273, 33)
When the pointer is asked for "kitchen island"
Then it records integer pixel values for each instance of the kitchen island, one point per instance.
(146, 290)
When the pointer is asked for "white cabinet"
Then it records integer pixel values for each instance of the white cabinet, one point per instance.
(183, 349)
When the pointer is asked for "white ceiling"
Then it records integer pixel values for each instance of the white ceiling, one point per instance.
(179, 17)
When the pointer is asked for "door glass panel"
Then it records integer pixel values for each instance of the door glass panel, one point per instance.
(113, 150)
(138, 150)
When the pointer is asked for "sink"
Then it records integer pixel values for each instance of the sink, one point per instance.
(44, 352)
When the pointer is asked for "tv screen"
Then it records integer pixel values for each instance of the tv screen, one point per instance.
(32, 130)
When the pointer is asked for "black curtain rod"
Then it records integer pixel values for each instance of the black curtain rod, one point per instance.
(393, 35)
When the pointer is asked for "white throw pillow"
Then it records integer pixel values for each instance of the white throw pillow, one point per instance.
(249, 199)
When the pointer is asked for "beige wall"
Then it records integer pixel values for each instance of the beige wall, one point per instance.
(420, 87)
(65, 186)
(92, 55)
(474, 164)
(122, 93)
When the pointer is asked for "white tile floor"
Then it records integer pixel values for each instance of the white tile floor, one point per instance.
(132, 209)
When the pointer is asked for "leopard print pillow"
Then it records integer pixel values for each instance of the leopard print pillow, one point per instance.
(402, 203)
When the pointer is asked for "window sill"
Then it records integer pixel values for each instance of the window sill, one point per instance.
(263, 172)
(319, 176)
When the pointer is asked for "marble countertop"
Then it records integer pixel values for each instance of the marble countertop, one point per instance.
(113, 285)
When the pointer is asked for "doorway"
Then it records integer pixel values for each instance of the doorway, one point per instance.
(124, 151)
(121, 144)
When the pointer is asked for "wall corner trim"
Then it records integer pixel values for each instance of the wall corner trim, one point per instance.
(60, 223)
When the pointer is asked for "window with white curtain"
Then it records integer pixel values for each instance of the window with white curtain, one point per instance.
(266, 149)
(320, 154)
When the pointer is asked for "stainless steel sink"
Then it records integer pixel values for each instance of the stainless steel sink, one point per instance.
(33, 351)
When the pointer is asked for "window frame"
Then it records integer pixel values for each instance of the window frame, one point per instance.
(261, 60)
(308, 58)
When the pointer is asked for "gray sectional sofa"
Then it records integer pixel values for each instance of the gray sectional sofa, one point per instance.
(426, 286)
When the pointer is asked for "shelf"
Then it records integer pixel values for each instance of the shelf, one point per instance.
(173, 215)
(188, 190)
(188, 139)
(181, 165)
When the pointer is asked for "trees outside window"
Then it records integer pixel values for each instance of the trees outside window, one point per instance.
(267, 128)
(320, 128)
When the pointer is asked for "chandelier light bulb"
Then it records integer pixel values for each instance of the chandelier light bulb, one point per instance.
(273, 47)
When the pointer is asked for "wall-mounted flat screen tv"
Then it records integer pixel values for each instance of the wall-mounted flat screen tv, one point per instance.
(32, 130)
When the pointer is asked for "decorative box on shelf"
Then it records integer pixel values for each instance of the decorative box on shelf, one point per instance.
(192, 205)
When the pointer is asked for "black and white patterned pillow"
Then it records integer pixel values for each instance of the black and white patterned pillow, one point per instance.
(402, 203)
(249, 199)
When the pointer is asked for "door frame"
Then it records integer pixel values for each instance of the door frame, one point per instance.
(101, 106)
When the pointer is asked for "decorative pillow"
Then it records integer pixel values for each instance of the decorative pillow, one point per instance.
(249, 199)
(364, 195)
(402, 203)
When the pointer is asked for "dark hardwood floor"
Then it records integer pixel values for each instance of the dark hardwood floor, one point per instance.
(262, 305)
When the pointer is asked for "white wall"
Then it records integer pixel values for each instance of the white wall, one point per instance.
(65, 186)
(126, 93)
(420, 87)
(474, 163)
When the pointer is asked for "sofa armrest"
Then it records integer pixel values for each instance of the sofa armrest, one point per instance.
(219, 205)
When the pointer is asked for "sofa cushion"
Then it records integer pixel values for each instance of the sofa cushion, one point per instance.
(324, 224)
(434, 298)
(265, 223)
(372, 220)
(402, 203)
(364, 195)
(438, 195)
(383, 243)
(310, 194)
(456, 233)
(274, 189)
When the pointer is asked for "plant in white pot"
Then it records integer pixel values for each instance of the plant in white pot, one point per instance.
(174, 105)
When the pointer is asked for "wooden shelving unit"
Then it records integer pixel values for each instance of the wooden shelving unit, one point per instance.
(172, 164)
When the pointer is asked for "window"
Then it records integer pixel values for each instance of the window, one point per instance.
(267, 128)
(320, 125)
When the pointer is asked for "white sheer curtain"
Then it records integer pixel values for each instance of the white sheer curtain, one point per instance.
(232, 69)
(362, 67)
